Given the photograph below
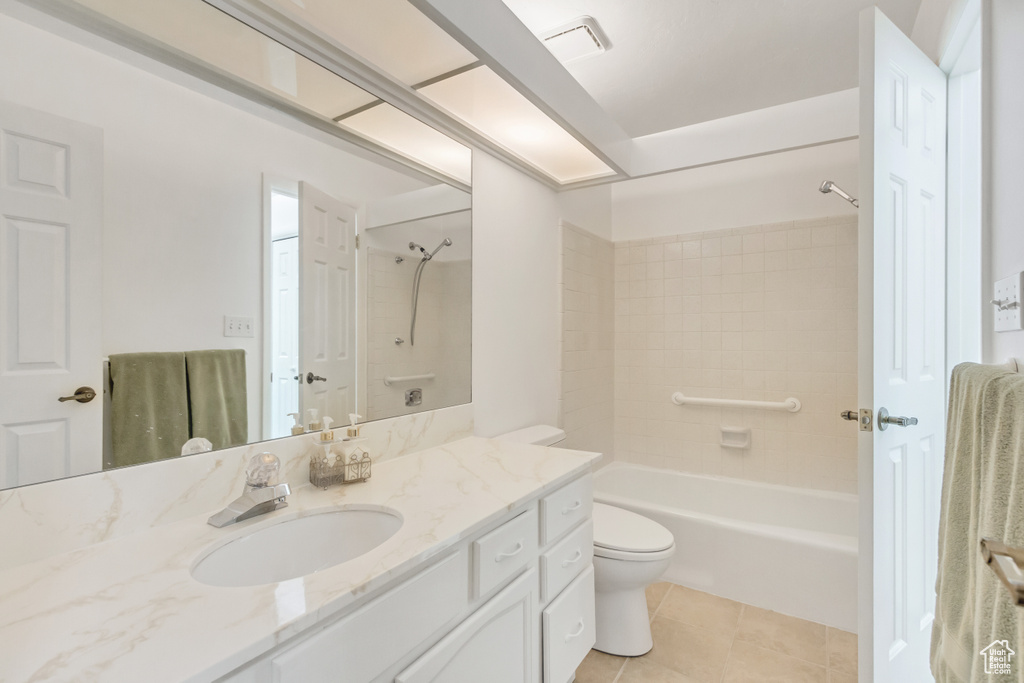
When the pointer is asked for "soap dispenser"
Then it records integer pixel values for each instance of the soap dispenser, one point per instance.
(353, 429)
(327, 434)
(297, 428)
(312, 415)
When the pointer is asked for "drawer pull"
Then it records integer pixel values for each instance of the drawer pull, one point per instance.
(577, 634)
(575, 558)
(572, 508)
(501, 556)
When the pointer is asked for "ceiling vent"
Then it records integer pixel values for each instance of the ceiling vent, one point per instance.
(578, 39)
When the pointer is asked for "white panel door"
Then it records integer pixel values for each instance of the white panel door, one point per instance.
(51, 203)
(902, 349)
(284, 312)
(327, 301)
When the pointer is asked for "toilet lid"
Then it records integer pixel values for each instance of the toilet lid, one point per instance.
(620, 529)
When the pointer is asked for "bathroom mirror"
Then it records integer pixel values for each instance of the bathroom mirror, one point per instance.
(207, 259)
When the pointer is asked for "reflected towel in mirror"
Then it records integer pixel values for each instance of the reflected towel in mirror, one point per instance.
(148, 406)
(217, 396)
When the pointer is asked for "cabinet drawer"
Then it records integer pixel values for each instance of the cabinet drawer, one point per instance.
(378, 634)
(504, 551)
(566, 560)
(565, 508)
(569, 629)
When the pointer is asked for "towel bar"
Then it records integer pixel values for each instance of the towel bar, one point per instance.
(1006, 562)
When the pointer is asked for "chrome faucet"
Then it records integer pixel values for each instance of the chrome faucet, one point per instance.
(262, 492)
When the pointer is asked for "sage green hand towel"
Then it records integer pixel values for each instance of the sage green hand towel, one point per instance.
(217, 396)
(148, 407)
(982, 496)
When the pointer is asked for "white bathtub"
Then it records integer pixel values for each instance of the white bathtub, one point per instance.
(785, 549)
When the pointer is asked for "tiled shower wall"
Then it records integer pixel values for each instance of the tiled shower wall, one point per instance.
(588, 338)
(760, 313)
(443, 333)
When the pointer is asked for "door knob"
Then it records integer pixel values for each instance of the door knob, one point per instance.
(82, 395)
(884, 420)
(310, 378)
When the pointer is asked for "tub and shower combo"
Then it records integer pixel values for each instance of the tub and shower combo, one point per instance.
(781, 548)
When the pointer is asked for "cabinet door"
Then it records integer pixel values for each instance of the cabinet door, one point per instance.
(495, 644)
(569, 628)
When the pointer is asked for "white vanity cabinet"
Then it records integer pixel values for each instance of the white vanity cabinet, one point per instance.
(504, 606)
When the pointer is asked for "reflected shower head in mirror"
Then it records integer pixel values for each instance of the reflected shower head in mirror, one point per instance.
(416, 282)
(829, 186)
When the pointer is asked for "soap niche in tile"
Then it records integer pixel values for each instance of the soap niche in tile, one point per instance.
(735, 437)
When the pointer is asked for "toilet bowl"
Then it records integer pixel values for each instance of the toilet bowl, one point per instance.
(630, 552)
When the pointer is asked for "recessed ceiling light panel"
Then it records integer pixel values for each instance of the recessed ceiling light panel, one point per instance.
(578, 39)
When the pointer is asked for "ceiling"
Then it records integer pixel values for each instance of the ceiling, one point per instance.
(674, 63)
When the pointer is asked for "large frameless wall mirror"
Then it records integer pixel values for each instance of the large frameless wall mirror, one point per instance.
(186, 263)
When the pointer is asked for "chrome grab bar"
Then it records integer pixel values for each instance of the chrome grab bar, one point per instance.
(1006, 562)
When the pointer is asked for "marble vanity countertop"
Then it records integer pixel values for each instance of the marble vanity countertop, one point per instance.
(129, 610)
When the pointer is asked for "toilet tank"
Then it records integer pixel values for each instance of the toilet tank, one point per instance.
(540, 435)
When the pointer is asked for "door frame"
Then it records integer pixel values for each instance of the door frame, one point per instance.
(270, 183)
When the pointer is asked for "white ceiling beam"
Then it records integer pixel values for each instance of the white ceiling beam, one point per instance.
(805, 123)
(490, 30)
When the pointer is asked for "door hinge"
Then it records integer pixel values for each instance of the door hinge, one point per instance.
(866, 420)
(357, 241)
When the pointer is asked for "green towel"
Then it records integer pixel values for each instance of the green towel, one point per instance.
(216, 396)
(148, 407)
(982, 496)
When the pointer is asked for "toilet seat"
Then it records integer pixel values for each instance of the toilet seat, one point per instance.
(623, 535)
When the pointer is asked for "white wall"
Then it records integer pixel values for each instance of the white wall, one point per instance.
(588, 341)
(515, 304)
(182, 192)
(589, 208)
(767, 189)
(1003, 165)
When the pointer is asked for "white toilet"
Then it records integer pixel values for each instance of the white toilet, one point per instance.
(630, 552)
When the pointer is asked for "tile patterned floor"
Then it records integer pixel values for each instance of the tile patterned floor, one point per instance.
(702, 638)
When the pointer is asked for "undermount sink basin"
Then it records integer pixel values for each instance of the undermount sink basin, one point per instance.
(296, 547)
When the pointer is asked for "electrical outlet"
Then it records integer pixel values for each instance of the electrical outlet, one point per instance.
(237, 326)
(1008, 302)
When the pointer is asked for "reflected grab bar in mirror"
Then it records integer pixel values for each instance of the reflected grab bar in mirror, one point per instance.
(791, 404)
(408, 378)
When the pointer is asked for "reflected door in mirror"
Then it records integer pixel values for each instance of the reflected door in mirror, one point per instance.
(327, 258)
(51, 182)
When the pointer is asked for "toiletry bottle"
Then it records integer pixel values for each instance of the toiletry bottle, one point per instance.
(353, 429)
(326, 434)
(297, 428)
(314, 420)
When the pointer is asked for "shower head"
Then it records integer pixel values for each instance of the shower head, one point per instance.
(446, 243)
(413, 247)
(829, 186)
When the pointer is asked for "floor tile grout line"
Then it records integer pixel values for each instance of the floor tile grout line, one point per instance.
(622, 668)
(728, 655)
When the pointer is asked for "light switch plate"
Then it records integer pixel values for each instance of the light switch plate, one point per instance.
(237, 326)
(1007, 303)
